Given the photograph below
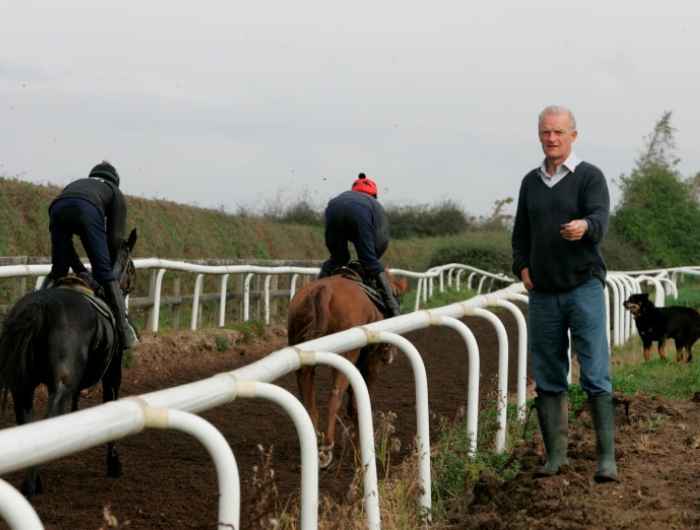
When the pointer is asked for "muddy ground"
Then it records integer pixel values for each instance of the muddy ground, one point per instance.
(658, 451)
(169, 481)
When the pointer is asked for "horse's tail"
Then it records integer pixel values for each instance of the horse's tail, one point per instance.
(20, 330)
(310, 318)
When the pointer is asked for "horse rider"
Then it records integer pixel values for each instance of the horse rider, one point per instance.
(357, 216)
(94, 209)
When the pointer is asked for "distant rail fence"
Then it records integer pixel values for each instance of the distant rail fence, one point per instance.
(261, 289)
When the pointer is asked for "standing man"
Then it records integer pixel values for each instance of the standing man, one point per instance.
(94, 209)
(356, 216)
(561, 220)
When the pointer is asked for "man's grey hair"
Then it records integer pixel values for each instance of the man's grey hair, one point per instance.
(557, 109)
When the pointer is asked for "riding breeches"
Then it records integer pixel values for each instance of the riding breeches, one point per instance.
(352, 223)
(75, 216)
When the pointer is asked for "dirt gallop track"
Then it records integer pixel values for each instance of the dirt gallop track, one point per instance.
(169, 481)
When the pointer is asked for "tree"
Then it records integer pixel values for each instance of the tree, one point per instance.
(658, 213)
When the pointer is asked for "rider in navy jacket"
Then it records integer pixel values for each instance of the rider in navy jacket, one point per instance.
(94, 209)
(357, 216)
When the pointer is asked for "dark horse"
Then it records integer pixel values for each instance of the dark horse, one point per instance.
(58, 338)
(327, 306)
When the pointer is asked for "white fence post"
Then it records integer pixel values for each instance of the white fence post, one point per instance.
(222, 300)
(16, 510)
(195, 301)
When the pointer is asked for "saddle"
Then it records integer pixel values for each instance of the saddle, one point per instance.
(354, 271)
(78, 284)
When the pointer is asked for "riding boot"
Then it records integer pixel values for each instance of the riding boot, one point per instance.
(603, 412)
(325, 270)
(115, 300)
(553, 415)
(384, 288)
(89, 281)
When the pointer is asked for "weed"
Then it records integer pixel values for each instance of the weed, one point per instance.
(221, 343)
(110, 520)
(128, 358)
(265, 497)
(577, 400)
(385, 441)
(455, 471)
(249, 330)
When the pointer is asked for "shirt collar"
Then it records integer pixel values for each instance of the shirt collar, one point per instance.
(570, 164)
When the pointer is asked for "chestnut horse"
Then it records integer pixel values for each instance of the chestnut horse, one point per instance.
(327, 306)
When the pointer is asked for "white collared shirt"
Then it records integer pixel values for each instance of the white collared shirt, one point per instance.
(569, 166)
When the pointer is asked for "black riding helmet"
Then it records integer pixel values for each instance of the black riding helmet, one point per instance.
(105, 170)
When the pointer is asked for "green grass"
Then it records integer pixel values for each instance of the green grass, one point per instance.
(449, 296)
(658, 377)
(688, 295)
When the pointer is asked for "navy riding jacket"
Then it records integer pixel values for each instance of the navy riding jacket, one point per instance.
(109, 201)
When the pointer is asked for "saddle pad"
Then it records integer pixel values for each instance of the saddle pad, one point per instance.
(100, 305)
(352, 274)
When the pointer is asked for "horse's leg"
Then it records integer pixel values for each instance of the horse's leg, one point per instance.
(307, 390)
(23, 404)
(111, 382)
(380, 355)
(23, 401)
(361, 364)
(57, 404)
(340, 385)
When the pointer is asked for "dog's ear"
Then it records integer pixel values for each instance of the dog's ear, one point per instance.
(644, 296)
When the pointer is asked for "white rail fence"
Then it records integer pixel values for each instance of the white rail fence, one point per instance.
(42, 441)
(159, 267)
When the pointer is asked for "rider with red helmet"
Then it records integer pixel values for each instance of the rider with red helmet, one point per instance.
(357, 216)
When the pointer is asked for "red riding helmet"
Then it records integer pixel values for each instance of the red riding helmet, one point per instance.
(365, 185)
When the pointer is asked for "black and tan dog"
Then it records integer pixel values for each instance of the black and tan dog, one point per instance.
(682, 324)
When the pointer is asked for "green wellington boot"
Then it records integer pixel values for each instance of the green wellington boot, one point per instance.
(603, 412)
(553, 415)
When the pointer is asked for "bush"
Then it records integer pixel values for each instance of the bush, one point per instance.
(442, 219)
(620, 255)
(490, 251)
(301, 213)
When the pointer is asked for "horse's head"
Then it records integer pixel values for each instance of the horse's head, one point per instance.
(124, 268)
(398, 285)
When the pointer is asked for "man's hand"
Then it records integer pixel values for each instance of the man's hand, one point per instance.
(525, 277)
(574, 230)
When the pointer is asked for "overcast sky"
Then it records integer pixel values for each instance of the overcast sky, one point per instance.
(248, 103)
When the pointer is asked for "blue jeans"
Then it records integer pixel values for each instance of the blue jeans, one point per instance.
(550, 316)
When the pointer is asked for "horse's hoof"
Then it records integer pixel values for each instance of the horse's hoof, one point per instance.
(325, 456)
(114, 468)
(29, 489)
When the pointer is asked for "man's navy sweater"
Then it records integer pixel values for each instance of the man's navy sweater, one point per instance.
(555, 264)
